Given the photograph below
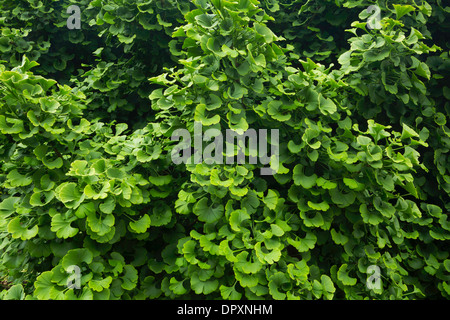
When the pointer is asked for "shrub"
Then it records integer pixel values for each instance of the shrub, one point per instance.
(361, 182)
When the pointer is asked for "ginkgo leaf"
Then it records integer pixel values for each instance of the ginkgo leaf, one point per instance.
(177, 286)
(200, 115)
(75, 257)
(68, 194)
(141, 225)
(246, 265)
(237, 217)
(274, 110)
(49, 104)
(7, 206)
(236, 91)
(16, 292)
(160, 180)
(343, 276)
(161, 215)
(326, 106)
(100, 284)
(86, 294)
(203, 287)
(43, 285)
(327, 286)
(102, 224)
(206, 20)
(208, 213)
(300, 179)
(271, 199)
(276, 283)
(312, 218)
(401, 10)
(18, 180)
(265, 255)
(230, 293)
(265, 32)
(62, 226)
(303, 244)
(10, 125)
(18, 230)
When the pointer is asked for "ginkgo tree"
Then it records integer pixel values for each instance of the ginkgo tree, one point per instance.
(88, 182)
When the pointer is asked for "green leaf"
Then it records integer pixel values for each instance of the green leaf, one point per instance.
(326, 106)
(160, 180)
(115, 173)
(276, 282)
(371, 217)
(408, 132)
(206, 20)
(274, 110)
(322, 206)
(423, 70)
(90, 190)
(237, 217)
(43, 285)
(312, 219)
(108, 18)
(342, 199)
(16, 228)
(101, 225)
(245, 266)
(343, 276)
(7, 206)
(300, 179)
(161, 215)
(39, 199)
(16, 292)
(229, 293)
(85, 209)
(177, 286)
(203, 287)
(303, 244)
(377, 54)
(206, 213)
(353, 184)
(386, 209)
(237, 91)
(447, 265)
(62, 226)
(189, 251)
(141, 225)
(328, 286)
(338, 237)
(299, 271)
(68, 194)
(77, 257)
(260, 60)
(100, 284)
(265, 255)
(49, 104)
(108, 206)
(201, 117)
(86, 294)
(271, 199)
(17, 125)
(17, 180)
(317, 289)
(363, 141)
(265, 32)
(124, 39)
(401, 10)
(129, 278)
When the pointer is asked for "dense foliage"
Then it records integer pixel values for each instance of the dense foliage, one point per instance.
(87, 178)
